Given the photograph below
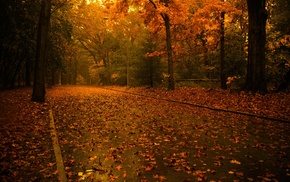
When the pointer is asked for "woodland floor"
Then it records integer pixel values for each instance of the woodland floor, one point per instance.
(106, 135)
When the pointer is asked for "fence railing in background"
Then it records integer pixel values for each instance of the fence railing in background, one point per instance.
(197, 80)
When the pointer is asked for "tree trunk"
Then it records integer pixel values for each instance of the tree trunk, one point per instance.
(27, 72)
(70, 74)
(171, 85)
(52, 77)
(256, 72)
(223, 74)
(38, 94)
(16, 71)
(60, 78)
(75, 71)
(285, 84)
(151, 72)
(109, 80)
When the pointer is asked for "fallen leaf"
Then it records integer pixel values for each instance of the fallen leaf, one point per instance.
(235, 162)
(240, 174)
(119, 167)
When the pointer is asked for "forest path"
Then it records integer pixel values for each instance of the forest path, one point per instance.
(111, 136)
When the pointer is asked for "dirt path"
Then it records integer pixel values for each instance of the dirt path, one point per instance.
(111, 136)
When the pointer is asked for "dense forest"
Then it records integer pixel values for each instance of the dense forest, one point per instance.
(243, 44)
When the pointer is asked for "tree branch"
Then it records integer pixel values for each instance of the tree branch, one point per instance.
(91, 52)
(58, 6)
(155, 6)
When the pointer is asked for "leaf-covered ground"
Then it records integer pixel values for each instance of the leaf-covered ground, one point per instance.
(112, 136)
(26, 152)
(272, 104)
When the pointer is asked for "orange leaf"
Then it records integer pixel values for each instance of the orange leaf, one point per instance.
(119, 167)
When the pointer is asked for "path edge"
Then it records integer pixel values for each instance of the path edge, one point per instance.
(57, 151)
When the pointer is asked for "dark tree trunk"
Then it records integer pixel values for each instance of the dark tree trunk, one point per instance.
(223, 74)
(151, 72)
(27, 72)
(70, 74)
(38, 94)
(53, 77)
(5, 75)
(171, 85)
(75, 72)
(285, 84)
(16, 71)
(256, 72)
(107, 65)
